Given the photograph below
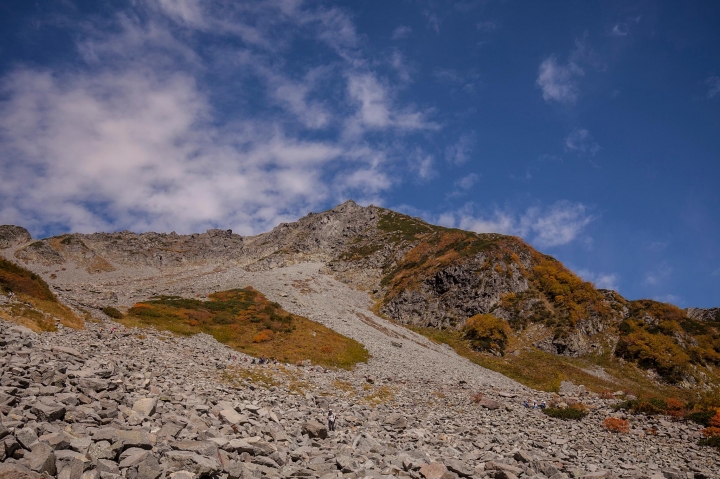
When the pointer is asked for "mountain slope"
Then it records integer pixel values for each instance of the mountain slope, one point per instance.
(422, 276)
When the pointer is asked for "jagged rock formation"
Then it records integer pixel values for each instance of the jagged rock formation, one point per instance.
(704, 314)
(12, 236)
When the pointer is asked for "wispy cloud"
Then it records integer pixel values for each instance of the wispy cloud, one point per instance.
(467, 182)
(658, 274)
(487, 26)
(461, 151)
(622, 28)
(713, 83)
(376, 109)
(433, 21)
(580, 141)
(559, 224)
(601, 280)
(134, 139)
(403, 31)
(463, 81)
(558, 81)
(668, 298)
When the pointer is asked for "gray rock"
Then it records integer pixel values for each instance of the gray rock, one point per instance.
(434, 470)
(101, 450)
(145, 406)
(26, 437)
(149, 468)
(204, 448)
(48, 412)
(42, 459)
(233, 417)
(315, 430)
(458, 467)
(17, 471)
(105, 465)
(189, 461)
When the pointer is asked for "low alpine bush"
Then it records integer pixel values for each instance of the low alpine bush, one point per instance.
(615, 424)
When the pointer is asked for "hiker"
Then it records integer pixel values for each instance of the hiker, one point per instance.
(543, 405)
(331, 421)
(535, 404)
(527, 403)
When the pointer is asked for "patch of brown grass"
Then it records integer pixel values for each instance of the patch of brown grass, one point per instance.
(379, 395)
(247, 321)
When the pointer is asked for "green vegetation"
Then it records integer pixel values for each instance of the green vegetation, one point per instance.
(487, 333)
(112, 312)
(545, 371)
(245, 320)
(37, 307)
(660, 336)
(574, 412)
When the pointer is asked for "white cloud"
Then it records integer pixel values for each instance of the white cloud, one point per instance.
(559, 224)
(185, 11)
(559, 82)
(658, 274)
(601, 280)
(423, 164)
(622, 28)
(468, 181)
(487, 26)
(714, 83)
(461, 151)
(375, 108)
(433, 21)
(401, 32)
(619, 30)
(580, 141)
(463, 81)
(668, 298)
(133, 138)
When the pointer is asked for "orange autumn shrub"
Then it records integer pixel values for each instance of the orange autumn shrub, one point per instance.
(714, 429)
(615, 424)
(262, 336)
(675, 408)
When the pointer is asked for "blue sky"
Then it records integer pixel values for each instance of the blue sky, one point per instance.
(591, 129)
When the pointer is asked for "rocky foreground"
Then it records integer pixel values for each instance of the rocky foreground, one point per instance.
(99, 403)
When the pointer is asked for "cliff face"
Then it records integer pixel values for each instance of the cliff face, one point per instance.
(419, 274)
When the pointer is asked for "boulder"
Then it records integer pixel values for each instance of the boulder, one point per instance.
(42, 459)
(434, 470)
(48, 412)
(191, 462)
(145, 406)
(233, 417)
(315, 430)
(17, 471)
